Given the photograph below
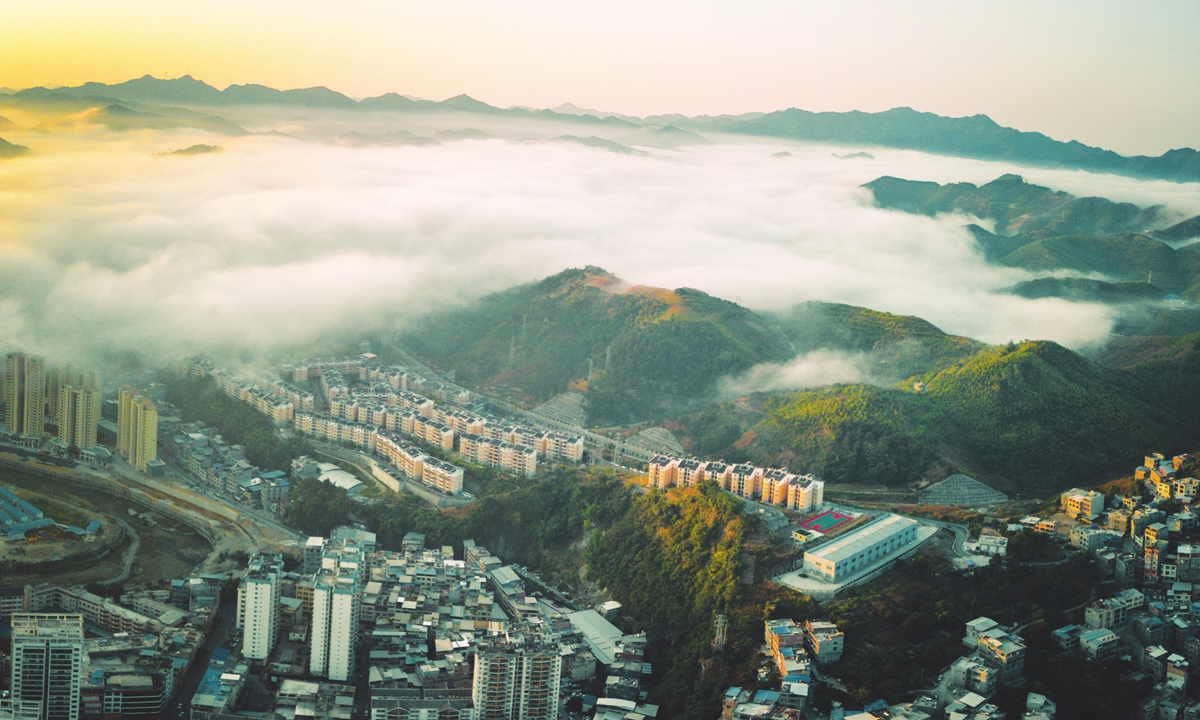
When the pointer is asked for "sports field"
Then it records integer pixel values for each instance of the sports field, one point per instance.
(826, 521)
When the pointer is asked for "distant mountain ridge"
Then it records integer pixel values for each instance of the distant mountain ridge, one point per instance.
(977, 136)
(1040, 229)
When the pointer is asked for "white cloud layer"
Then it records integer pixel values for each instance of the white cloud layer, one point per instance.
(108, 248)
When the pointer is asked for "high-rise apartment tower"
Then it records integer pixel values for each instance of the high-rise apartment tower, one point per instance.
(25, 394)
(47, 662)
(137, 428)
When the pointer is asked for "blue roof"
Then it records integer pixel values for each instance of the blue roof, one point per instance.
(766, 697)
(220, 655)
(733, 692)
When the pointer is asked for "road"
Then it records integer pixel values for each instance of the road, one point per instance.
(179, 708)
(135, 544)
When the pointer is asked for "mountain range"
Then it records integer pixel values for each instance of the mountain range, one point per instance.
(971, 137)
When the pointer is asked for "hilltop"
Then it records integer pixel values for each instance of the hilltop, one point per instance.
(649, 349)
(9, 150)
(1018, 207)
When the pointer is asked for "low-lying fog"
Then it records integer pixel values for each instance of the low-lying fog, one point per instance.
(111, 246)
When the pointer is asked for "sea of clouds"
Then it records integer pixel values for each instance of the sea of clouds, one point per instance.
(111, 250)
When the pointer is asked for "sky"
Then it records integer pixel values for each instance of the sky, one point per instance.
(1120, 75)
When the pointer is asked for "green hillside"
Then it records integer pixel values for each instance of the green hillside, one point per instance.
(1017, 207)
(1042, 415)
(1034, 415)
(899, 346)
(650, 349)
(1186, 230)
(1126, 258)
(1084, 290)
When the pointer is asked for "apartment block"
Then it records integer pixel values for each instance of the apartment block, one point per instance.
(24, 394)
(47, 662)
(137, 428)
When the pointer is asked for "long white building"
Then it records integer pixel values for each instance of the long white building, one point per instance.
(858, 550)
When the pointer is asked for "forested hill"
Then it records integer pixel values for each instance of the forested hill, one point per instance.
(897, 346)
(1018, 207)
(649, 349)
(1033, 416)
(1040, 229)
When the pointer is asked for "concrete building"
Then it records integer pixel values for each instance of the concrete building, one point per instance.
(1082, 503)
(47, 662)
(77, 406)
(258, 606)
(25, 394)
(1112, 613)
(517, 677)
(335, 613)
(824, 640)
(859, 550)
(137, 428)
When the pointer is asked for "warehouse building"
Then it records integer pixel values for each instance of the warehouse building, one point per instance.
(861, 549)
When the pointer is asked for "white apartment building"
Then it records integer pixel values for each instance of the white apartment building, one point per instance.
(258, 607)
(336, 591)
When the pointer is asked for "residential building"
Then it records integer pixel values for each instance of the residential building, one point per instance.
(258, 606)
(137, 428)
(335, 612)
(824, 640)
(24, 394)
(1082, 503)
(517, 677)
(77, 407)
(47, 662)
(1112, 613)
(1099, 644)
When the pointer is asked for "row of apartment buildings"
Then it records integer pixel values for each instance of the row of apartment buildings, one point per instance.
(802, 493)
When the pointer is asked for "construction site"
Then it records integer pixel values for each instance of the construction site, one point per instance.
(147, 533)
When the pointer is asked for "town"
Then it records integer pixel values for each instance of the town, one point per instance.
(338, 627)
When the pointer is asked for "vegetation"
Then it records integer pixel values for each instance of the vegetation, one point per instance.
(1032, 546)
(898, 346)
(1034, 413)
(906, 627)
(200, 399)
(674, 562)
(1040, 229)
(1029, 211)
(641, 342)
(851, 433)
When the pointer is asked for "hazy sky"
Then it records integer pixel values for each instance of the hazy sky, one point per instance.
(1121, 75)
